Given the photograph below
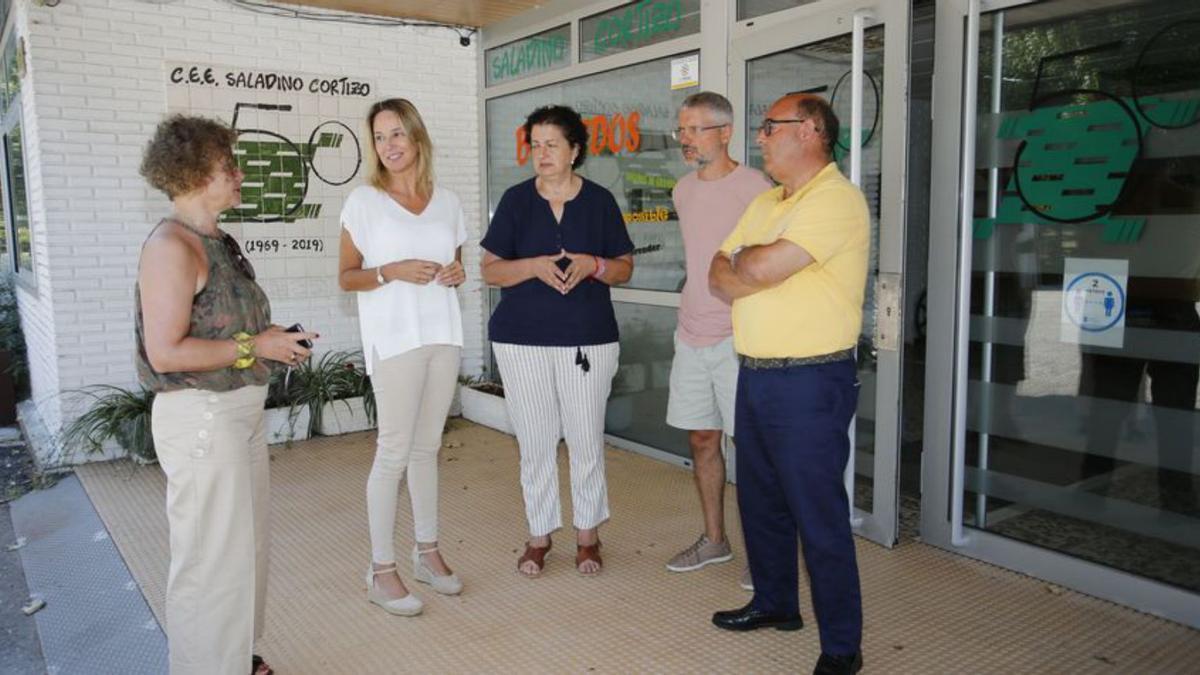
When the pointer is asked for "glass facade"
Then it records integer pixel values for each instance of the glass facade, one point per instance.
(13, 67)
(824, 68)
(1085, 335)
(536, 54)
(15, 161)
(637, 24)
(630, 113)
(638, 405)
(749, 9)
(1084, 341)
(17, 234)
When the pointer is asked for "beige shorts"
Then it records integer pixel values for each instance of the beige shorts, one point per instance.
(703, 386)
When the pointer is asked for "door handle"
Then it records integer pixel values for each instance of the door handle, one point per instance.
(857, 56)
(858, 47)
(962, 331)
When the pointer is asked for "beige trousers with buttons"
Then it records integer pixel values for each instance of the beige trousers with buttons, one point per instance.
(213, 449)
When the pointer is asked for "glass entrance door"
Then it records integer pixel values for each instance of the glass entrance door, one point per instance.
(1063, 370)
(856, 56)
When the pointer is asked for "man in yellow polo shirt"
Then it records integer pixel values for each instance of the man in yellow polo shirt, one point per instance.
(795, 269)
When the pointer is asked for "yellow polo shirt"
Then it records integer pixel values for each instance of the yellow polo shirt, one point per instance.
(818, 310)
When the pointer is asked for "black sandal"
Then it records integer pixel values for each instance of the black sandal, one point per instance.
(257, 664)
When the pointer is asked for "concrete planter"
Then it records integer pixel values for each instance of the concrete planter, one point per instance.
(343, 417)
(486, 409)
(456, 403)
(285, 425)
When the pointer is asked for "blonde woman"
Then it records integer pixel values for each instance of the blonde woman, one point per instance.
(400, 251)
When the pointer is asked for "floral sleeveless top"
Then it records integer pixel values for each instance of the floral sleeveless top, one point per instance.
(230, 302)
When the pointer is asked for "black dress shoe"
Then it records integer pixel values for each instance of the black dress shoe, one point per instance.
(748, 618)
(838, 665)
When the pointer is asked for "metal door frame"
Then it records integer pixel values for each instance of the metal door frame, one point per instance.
(804, 25)
(955, 81)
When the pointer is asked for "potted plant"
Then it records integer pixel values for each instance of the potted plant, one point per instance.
(286, 418)
(117, 415)
(337, 392)
(13, 365)
(483, 403)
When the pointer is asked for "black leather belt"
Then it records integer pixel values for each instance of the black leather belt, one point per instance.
(790, 361)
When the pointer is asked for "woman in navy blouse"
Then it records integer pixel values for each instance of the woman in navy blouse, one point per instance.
(555, 244)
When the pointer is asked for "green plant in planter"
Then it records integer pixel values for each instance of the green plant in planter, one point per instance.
(12, 338)
(362, 387)
(331, 377)
(281, 390)
(283, 394)
(483, 383)
(114, 413)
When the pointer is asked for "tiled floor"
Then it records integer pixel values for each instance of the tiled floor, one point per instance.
(927, 610)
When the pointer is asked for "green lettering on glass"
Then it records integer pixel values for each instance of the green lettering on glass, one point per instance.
(649, 180)
(638, 24)
(1073, 166)
(537, 53)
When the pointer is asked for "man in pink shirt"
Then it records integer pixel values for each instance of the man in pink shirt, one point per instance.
(709, 202)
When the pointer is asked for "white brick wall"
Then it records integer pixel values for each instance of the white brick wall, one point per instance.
(94, 91)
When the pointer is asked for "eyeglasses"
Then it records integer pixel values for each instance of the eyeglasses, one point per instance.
(678, 132)
(235, 253)
(768, 125)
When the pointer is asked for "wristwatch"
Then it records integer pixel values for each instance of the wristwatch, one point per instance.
(379, 276)
(733, 257)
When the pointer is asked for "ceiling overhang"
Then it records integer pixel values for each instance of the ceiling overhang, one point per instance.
(476, 13)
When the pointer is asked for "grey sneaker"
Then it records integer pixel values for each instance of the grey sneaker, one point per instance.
(699, 554)
(746, 582)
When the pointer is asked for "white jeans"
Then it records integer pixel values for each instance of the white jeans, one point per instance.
(413, 392)
(550, 397)
(213, 449)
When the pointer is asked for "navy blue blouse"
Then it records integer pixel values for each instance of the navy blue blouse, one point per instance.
(532, 313)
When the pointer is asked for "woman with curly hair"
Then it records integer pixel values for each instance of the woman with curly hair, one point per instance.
(555, 245)
(204, 340)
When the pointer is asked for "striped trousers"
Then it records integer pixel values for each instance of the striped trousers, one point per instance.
(550, 396)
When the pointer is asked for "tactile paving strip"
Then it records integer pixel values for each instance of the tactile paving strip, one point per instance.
(96, 620)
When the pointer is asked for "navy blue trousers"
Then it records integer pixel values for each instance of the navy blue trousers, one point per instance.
(792, 447)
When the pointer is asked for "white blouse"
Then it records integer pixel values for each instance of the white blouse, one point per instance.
(400, 316)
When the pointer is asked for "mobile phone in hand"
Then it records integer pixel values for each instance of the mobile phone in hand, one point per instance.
(297, 328)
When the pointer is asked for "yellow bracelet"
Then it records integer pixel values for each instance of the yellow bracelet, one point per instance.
(245, 350)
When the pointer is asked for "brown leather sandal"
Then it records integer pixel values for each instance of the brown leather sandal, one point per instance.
(584, 553)
(536, 555)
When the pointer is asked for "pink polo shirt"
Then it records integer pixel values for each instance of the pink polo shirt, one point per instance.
(708, 211)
